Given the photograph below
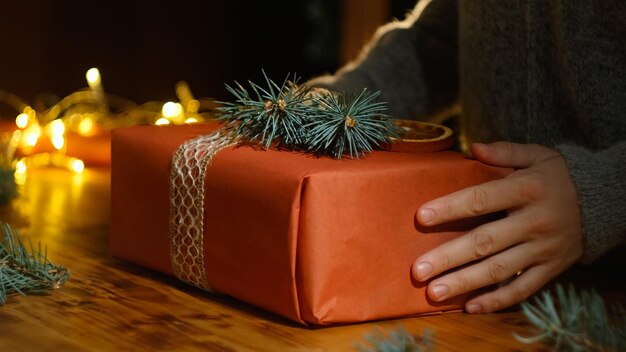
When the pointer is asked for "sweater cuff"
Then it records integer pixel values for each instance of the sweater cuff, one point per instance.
(599, 178)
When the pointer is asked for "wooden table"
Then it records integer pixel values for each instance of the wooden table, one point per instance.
(111, 305)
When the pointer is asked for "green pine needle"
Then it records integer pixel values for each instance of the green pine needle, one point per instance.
(396, 340)
(269, 114)
(352, 125)
(297, 118)
(576, 321)
(23, 271)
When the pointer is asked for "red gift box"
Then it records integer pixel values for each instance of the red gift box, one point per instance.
(313, 239)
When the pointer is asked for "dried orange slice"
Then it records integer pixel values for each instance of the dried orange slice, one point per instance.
(424, 137)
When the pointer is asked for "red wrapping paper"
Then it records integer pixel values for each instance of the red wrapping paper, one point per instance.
(316, 240)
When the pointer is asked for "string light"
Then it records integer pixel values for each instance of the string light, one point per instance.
(56, 131)
(20, 167)
(173, 112)
(21, 120)
(171, 109)
(31, 135)
(162, 121)
(76, 165)
(86, 112)
(85, 126)
(93, 77)
(20, 172)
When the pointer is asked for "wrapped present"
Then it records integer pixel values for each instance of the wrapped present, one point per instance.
(313, 239)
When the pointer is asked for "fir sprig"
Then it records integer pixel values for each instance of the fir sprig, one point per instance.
(300, 118)
(23, 271)
(396, 340)
(576, 321)
(350, 124)
(271, 114)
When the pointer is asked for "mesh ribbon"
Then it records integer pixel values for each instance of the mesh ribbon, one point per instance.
(189, 166)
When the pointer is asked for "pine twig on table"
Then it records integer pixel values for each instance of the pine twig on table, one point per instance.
(24, 271)
(396, 340)
(576, 321)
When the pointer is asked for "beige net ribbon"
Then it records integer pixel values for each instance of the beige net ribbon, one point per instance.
(187, 175)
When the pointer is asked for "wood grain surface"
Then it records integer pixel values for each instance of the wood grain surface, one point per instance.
(110, 305)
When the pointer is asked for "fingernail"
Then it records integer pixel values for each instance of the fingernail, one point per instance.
(473, 308)
(423, 270)
(440, 291)
(427, 215)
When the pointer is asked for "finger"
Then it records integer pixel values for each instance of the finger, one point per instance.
(483, 199)
(491, 271)
(481, 242)
(515, 292)
(510, 154)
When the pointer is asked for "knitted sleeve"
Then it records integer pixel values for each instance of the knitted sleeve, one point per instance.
(600, 180)
(414, 63)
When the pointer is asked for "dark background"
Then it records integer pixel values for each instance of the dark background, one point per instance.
(143, 48)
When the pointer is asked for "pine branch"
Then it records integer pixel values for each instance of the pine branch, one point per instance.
(576, 321)
(302, 118)
(396, 340)
(270, 113)
(350, 124)
(23, 271)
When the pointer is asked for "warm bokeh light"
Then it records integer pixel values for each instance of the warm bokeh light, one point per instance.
(20, 167)
(171, 109)
(21, 120)
(57, 128)
(85, 126)
(20, 173)
(57, 141)
(162, 121)
(31, 135)
(93, 77)
(47, 137)
(77, 165)
(55, 131)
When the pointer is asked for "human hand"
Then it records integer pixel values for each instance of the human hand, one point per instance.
(540, 237)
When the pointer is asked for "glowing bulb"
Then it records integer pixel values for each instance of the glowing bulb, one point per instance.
(20, 167)
(57, 128)
(85, 126)
(77, 166)
(57, 141)
(162, 121)
(191, 120)
(93, 77)
(171, 109)
(31, 135)
(21, 120)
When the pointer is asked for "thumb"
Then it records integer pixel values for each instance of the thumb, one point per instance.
(508, 154)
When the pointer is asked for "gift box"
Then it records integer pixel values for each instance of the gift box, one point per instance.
(314, 239)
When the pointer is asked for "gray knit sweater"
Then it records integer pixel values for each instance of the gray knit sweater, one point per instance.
(536, 71)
